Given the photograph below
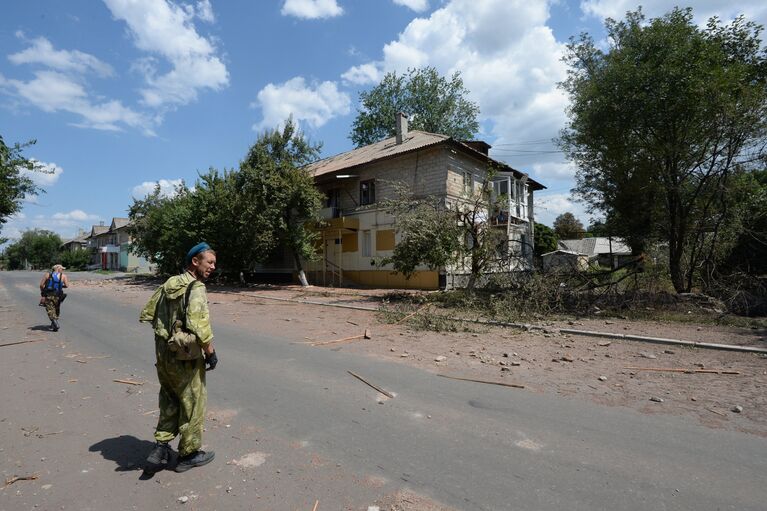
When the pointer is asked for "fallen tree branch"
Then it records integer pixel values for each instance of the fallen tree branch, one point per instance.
(682, 370)
(130, 382)
(366, 335)
(13, 479)
(22, 342)
(379, 389)
(514, 385)
(409, 315)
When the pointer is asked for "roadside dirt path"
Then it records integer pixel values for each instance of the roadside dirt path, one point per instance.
(544, 361)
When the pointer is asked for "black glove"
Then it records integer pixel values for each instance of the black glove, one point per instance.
(211, 360)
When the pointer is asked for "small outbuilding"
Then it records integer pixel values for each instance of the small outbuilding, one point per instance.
(564, 261)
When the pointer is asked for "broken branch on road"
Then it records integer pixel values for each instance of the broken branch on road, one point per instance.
(129, 382)
(513, 385)
(366, 335)
(21, 342)
(379, 389)
(13, 479)
(682, 370)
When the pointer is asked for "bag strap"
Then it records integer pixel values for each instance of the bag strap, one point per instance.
(186, 301)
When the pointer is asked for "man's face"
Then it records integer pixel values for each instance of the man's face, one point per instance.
(204, 264)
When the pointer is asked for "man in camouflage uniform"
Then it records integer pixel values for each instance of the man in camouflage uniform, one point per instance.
(179, 309)
(52, 292)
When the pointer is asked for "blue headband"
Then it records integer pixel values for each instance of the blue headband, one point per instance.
(200, 247)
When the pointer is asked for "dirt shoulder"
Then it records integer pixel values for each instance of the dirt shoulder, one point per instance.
(542, 360)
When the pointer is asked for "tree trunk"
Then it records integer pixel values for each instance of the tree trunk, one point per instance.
(301, 274)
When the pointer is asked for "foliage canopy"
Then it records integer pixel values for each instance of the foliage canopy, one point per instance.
(14, 184)
(660, 123)
(432, 102)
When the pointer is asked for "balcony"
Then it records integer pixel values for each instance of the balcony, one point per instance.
(334, 220)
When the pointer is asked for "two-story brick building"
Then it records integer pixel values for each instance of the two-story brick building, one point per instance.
(356, 231)
(111, 245)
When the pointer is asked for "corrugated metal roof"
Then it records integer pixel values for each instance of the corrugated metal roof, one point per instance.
(595, 246)
(389, 147)
(376, 151)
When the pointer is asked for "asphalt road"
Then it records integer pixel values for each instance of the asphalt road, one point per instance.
(469, 446)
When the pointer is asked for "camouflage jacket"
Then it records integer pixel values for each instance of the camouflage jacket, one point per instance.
(167, 305)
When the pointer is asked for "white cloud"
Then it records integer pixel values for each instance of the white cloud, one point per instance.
(204, 11)
(311, 9)
(48, 174)
(416, 5)
(509, 60)
(314, 104)
(166, 29)
(65, 224)
(755, 10)
(558, 171)
(52, 91)
(76, 215)
(363, 74)
(167, 188)
(548, 206)
(43, 52)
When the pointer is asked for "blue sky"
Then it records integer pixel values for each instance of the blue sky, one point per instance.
(121, 94)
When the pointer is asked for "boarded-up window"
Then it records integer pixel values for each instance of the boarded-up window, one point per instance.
(385, 239)
(349, 242)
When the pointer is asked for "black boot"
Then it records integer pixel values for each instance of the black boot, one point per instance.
(55, 325)
(158, 457)
(195, 459)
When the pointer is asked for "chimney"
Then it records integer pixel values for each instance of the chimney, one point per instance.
(401, 127)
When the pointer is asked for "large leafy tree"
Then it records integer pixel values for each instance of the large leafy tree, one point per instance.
(433, 103)
(14, 184)
(280, 192)
(163, 228)
(545, 239)
(36, 248)
(659, 122)
(249, 214)
(567, 227)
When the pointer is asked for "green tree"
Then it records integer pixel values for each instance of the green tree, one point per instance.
(14, 185)
(658, 124)
(75, 259)
(598, 229)
(545, 239)
(432, 102)
(280, 192)
(567, 227)
(164, 228)
(458, 235)
(37, 248)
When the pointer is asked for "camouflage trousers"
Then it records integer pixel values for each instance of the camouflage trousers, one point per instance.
(183, 399)
(52, 306)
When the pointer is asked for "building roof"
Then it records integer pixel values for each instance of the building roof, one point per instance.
(98, 229)
(118, 223)
(561, 251)
(83, 238)
(595, 246)
(389, 148)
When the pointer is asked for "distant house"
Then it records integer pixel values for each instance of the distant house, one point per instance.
(111, 248)
(611, 252)
(564, 261)
(80, 242)
(357, 231)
